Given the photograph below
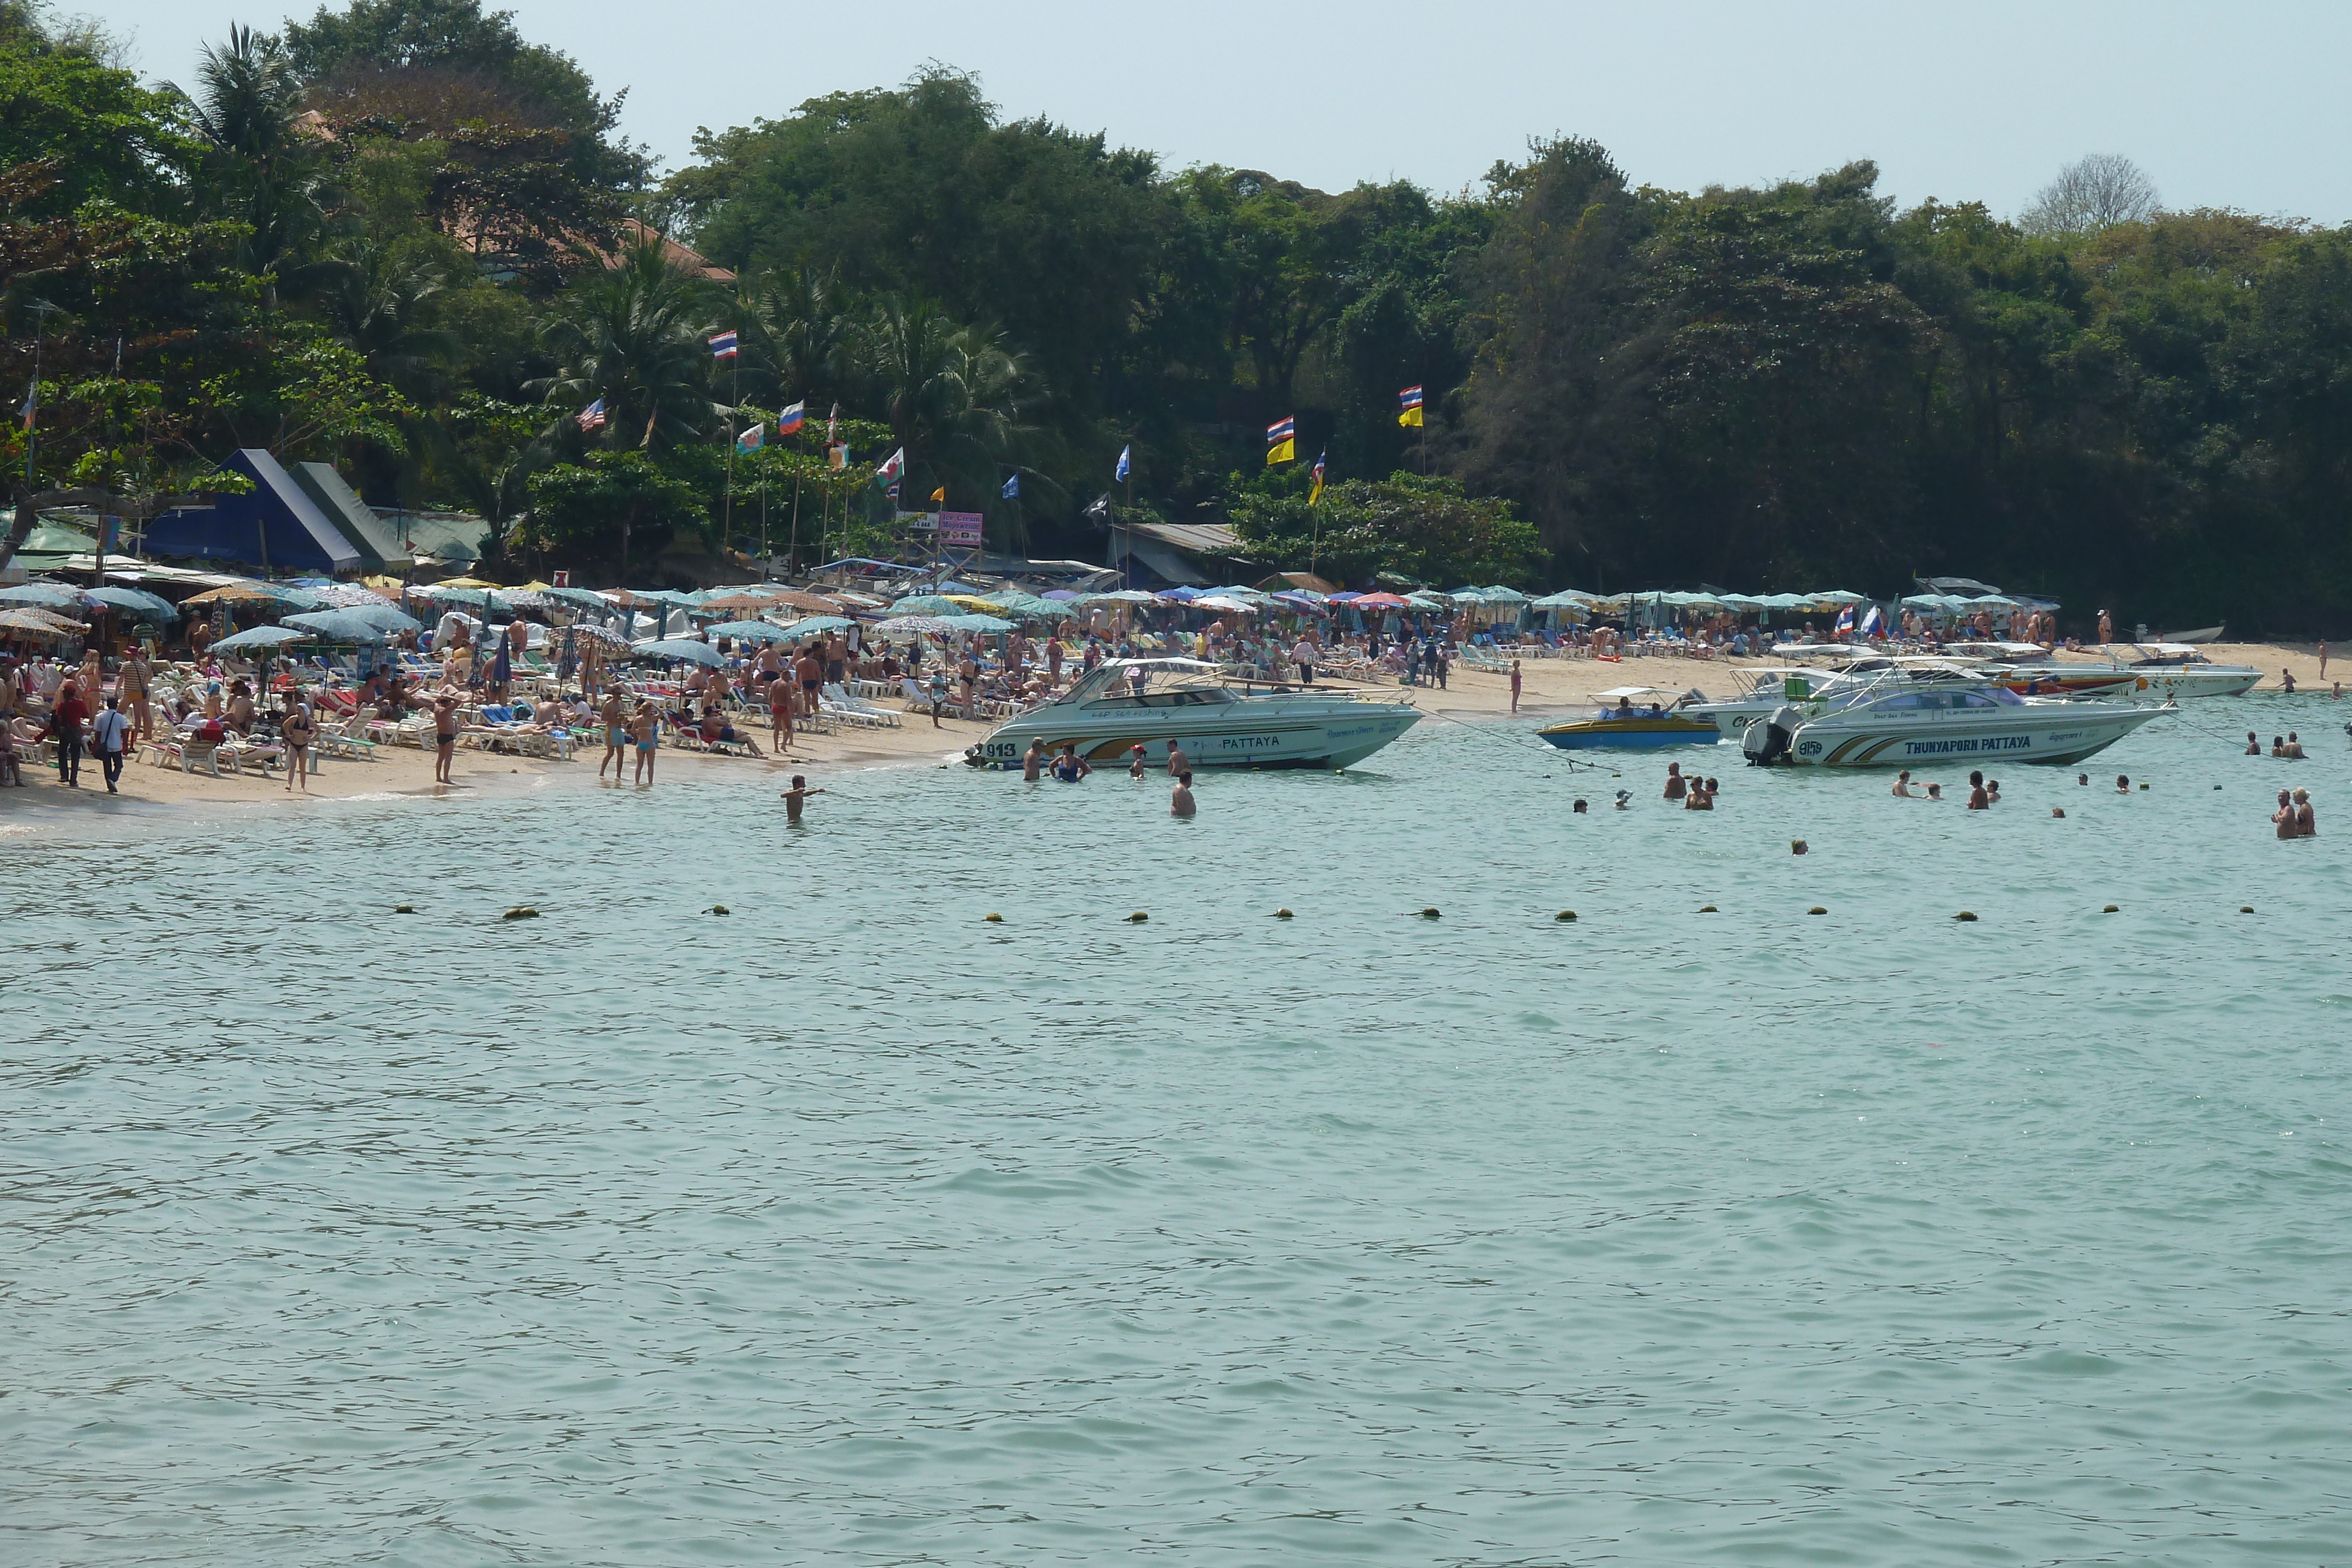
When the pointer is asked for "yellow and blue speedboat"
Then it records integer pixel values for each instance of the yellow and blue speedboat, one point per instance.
(1637, 719)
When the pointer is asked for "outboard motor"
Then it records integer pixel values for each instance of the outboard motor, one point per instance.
(1767, 740)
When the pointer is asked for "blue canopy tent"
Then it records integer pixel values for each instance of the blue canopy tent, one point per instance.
(276, 527)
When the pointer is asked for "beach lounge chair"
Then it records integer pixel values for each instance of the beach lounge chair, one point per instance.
(857, 709)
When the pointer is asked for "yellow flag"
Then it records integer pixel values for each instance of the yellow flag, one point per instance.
(1411, 418)
(941, 495)
(1283, 451)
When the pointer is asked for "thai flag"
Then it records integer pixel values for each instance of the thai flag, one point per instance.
(722, 345)
(1845, 621)
(1279, 431)
(1408, 398)
(592, 416)
(789, 422)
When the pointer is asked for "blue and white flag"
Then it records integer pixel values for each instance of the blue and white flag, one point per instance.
(1874, 624)
(1011, 491)
(1121, 471)
(723, 344)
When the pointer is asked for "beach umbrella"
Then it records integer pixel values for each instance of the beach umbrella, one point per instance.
(604, 634)
(50, 596)
(578, 598)
(482, 600)
(340, 625)
(919, 625)
(1381, 602)
(263, 637)
(1218, 601)
(754, 631)
(1181, 595)
(814, 624)
(925, 604)
(1299, 599)
(1062, 594)
(1121, 596)
(680, 650)
(976, 622)
(38, 623)
(141, 604)
(473, 582)
(1836, 596)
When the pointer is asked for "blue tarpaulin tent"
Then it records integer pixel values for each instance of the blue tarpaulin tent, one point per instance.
(277, 527)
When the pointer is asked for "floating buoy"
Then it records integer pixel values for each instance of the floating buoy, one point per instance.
(2245, 909)
(403, 909)
(717, 909)
(1817, 909)
(1429, 913)
(1282, 915)
(2057, 810)
(1965, 915)
(2217, 786)
(1565, 915)
(1708, 909)
(994, 918)
(1796, 846)
(2112, 909)
(1137, 918)
(2143, 789)
(521, 911)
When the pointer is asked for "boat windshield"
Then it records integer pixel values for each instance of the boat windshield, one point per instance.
(1151, 683)
(1946, 702)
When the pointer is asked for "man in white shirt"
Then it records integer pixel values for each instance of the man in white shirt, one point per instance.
(109, 732)
(1302, 653)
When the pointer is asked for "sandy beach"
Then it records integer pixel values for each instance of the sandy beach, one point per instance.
(1549, 687)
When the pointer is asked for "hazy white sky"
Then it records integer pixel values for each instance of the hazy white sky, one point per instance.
(2238, 105)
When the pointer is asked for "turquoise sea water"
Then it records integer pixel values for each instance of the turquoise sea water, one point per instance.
(849, 1227)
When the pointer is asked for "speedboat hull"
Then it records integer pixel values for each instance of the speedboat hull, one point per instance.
(2049, 732)
(1297, 729)
(1643, 733)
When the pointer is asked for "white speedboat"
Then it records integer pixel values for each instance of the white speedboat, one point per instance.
(1220, 720)
(1775, 686)
(2178, 670)
(1899, 724)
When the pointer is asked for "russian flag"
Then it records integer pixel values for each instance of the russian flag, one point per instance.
(1408, 398)
(722, 345)
(1874, 624)
(1279, 431)
(789, 422)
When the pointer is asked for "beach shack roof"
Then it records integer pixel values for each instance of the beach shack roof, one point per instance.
(276, 526)
(357, 521)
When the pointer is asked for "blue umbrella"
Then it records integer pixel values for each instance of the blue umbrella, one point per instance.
(816, 623)
(49, 595)
(264, 637)
(340, 625)
(756, 630)
(678, 650)
(141, 604)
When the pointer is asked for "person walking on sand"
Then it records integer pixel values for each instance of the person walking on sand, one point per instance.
(444, 736)
(780, 709)
(130, 684)
(795, 798)
(1180, 799)
(617, 736)
(109, 735)
(1302, 653)
(647, 732)
(66, 717)
(1515, 687)
(298, 731)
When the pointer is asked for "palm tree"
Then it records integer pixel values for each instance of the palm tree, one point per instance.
(795, 334)
(266, 179)
(632, 334)
(377, 300)
(959, 399)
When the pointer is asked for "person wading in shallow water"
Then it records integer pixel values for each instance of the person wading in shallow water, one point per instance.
(1180, 799)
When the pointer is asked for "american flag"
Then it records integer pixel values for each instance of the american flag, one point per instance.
(592, 416)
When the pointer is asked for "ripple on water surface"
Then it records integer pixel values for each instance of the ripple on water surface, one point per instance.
(850, 1228)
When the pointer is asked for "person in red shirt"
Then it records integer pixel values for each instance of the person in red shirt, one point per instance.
(66, 719)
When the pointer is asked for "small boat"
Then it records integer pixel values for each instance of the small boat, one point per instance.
(1220, 722)
(1623, 725)
(2178, 670)
(1900, 725)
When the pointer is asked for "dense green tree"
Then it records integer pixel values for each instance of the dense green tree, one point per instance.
(608, 514)
(97, 132)
(632, 335)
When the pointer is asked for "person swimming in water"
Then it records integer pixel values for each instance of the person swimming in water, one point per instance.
(1676, 785)
(1179, 799)
(1033, 761)
(1902, 785)
(1069, 767)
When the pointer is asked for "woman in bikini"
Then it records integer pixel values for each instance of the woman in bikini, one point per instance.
(445, 739)
(298, 731)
